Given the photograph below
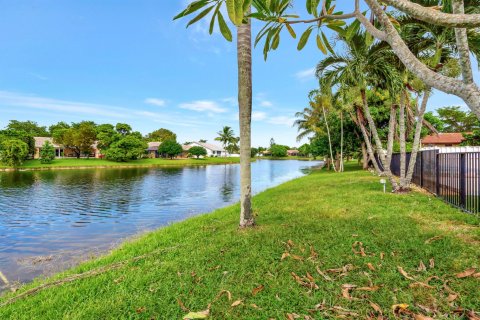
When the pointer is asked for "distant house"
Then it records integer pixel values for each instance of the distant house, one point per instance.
(152, 149)
(293, 153)
(212, 150)
(443, 140)
(61, 151)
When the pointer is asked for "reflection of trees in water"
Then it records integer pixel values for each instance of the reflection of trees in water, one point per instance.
(228, 186)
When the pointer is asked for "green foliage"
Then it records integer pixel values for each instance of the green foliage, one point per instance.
(457, 120)
(13, 152)
(47, 153)
(58, 126)
(472, 139)
(161, 135)
(30, 127)
(197, 151)
(227, 137)
(79, 137)
(278, 150)
(127, 148)
(304, 150)
(20, 135)
(170, 148)
(254, 152)
(123, 129)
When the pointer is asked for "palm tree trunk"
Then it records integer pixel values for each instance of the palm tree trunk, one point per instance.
(403, 149)
(416, 139)
(368, 144)
(244, 57)
(329, 138)
(341, 141)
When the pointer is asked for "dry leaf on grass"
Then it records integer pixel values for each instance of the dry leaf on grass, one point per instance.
(285, 255)
(452, 297)
(422, 317)
(374, 288)
(257, 290)
(382, 255)
(472, 316)
(361, 250)
(197, 315)
(403, 273)
(399, 308)
(292, 316)
(326, 277)
(433, 239)
(466, 273)
(432, 263)
(253, 305)
(421, 267)
(370, 266)
(236, 303)
(180, 303)
(476, 275)
(298, 258)
(346, 290)
(376, 307)
(221, 293)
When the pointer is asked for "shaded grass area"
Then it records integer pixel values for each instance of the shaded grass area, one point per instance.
(66, 163)
(316, 220)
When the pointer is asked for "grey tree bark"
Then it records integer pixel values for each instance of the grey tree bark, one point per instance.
(416, 139)
(401, 129)
(368, 145)
(244, 56)
(329, 138)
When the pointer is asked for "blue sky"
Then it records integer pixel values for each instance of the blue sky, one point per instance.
(127, 61)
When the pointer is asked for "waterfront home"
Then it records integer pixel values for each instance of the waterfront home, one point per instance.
(212, 149)
(61, 151)
(293, 153)
(152, 149)
(452, 139)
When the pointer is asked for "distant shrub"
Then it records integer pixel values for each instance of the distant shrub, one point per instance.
(278, 151)
(170, 148)
(47, 153)
(197, 151)
(13, 152)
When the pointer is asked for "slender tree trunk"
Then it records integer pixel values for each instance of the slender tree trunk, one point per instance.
(364, 156)
(244, 48)
(341, 141)
(368, 144)
(391, 132)
(416, 139)
(329, 138)
(403, 149)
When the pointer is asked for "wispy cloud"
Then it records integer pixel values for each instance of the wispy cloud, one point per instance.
(258, 115)
(282, 120)
(307, 74)
(13, 99)
(266, 103)
(155, 102)
(203, 106)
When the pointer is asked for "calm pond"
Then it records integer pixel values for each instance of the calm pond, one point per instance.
(51, 220)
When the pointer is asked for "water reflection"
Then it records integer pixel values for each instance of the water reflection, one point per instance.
(63, 213)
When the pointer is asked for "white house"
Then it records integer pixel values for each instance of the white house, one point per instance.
(212, 150)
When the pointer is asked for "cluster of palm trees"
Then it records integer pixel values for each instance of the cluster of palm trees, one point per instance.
(366, 68)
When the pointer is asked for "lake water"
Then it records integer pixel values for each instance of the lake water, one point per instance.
(51, 220)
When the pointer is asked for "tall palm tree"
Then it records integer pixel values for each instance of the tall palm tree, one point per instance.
(244, 67)
(226, 136)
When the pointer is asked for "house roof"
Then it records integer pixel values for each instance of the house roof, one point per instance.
(208, 146)
(444, 138)
(153, 146)
(293, 151)
(40, 141)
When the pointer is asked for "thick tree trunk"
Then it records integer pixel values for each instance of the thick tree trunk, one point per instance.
(364, 157)
(403, 149)
(368, 144)
(244, 56)
(416, 139)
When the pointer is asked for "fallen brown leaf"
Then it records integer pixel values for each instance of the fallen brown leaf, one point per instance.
(398, 308)
(466, 273)
(400, 269)
(141, 310)
(292, 316)
(472, 316)
(253, 305)
(433, 239)
(346, 290)
(197, 315)
(313, 254)
(421, 267)
(257, 290)
(420, 284)
(285, 255)
(452, 297)
(422, 317)
(382, 255)
(361, 250)
(376, 307)
(298, 258)
(326, 277)
(432, 263)
(476, 275)
(374, 288)
(221, 293)
(182, 306)
(236, 303)
(290, 244)
(370, 266)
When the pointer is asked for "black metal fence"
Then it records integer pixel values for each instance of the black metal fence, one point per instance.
(454, 177)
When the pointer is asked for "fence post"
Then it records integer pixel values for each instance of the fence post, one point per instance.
(463, 180)
(421, 169)
(437, 174)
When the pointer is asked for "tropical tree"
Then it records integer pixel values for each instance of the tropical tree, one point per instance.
(170, 148)
(161, 135)
(129, 147)
(238, 12)
(13, 152)
(278, 151)
(79, 137)
(47, 153)
(457, 120)
(226, 136)
(30, 127)
(197, 151)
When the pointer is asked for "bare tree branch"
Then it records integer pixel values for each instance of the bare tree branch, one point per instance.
(462, 45)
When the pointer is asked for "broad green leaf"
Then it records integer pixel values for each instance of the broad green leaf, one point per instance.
(200, 16)
(304, 39)
(368, 39)
(224, 29)
(336, 28)
(315, 7)
(309, 6)
(352, 30)
(246, 5)
(192, 7)
(212, 22)
(276, 39)
(320, 45)
(291, 31)
(235, 11)
(327, 43)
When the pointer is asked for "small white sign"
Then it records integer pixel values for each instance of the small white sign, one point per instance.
(383, 181)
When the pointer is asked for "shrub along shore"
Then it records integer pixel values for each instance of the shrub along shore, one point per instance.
(326, 245)
(59, 164)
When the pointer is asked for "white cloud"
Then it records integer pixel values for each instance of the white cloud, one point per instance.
(155, 102)
(266, 103)
(305, 74)
(203, 106)
(35, 102)
(282, 120)
(258, 115)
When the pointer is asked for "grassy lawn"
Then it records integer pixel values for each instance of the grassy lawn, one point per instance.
(66, 163)
(311, 222)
